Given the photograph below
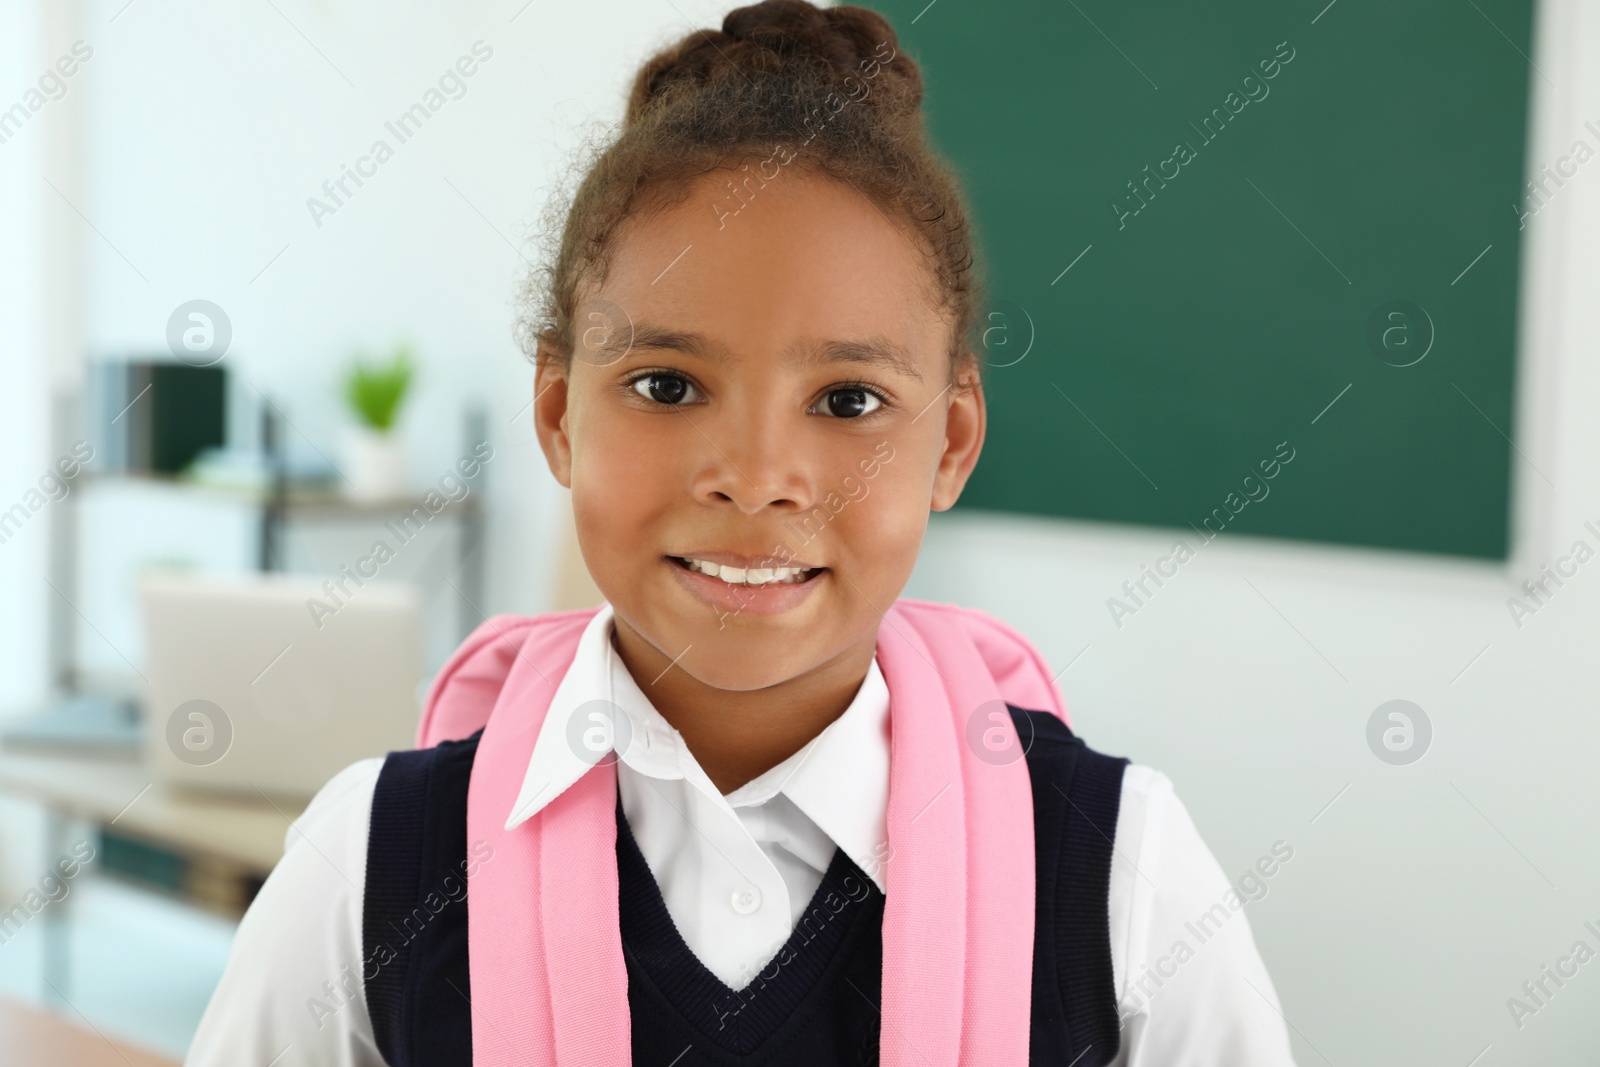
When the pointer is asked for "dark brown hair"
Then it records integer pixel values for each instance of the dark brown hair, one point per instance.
(826, 90)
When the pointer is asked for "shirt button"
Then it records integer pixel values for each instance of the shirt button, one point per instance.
(746, 900)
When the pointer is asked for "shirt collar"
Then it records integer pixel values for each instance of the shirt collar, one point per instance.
(852, 749)
(597, 700)
(555, 764)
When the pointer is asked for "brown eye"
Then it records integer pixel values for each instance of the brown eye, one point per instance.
(662, 388)
(850, 403)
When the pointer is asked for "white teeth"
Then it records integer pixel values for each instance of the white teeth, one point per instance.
(749, 576)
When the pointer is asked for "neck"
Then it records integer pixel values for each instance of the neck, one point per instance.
(737, 735)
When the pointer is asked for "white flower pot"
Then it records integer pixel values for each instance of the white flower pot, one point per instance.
(373, 464)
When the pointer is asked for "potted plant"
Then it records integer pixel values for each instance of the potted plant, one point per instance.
(374, 453)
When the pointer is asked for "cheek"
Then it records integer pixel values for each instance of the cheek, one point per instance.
(887, 525)
(621, 484)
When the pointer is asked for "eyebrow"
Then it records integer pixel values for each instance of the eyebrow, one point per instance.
(875, 351)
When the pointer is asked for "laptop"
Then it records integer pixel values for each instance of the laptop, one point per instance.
(267, 684)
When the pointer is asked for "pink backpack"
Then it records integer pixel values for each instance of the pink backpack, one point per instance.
(549, 985)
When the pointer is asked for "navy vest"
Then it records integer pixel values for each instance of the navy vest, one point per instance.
(815, 1004)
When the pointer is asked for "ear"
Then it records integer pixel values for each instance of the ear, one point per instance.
(964, 426)
(550, 414)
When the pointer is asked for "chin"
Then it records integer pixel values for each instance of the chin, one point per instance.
(737, 680)
(739, 657)
(737, 654)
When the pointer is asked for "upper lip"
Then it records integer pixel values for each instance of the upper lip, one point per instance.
(734, 559)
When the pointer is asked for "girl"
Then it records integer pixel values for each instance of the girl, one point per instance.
(754, 809)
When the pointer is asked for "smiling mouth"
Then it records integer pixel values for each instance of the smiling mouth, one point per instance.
(749, 577)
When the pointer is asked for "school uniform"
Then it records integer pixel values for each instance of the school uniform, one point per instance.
(751, 925)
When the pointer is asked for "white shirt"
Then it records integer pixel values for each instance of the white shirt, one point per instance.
(736, 871)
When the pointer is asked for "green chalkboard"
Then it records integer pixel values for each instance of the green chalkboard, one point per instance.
(1190, 260)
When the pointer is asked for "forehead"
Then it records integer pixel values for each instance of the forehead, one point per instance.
(807, 258)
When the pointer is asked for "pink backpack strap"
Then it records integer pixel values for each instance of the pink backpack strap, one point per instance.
(466, 687)
(549, 985)
(1020, 672)
(544, 944)
(961, 855)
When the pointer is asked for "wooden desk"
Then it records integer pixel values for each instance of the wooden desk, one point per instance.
(246, 832)
(229, 844)
(29, 1036)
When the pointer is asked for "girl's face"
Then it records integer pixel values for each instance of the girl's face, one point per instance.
(766, 395)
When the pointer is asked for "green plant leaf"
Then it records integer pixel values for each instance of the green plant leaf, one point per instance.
(375, 392)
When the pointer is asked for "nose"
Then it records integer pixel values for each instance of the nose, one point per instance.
(754, 461)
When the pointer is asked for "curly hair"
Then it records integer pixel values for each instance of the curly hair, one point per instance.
(828, 89)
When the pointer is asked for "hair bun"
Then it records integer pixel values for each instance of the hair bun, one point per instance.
(824, 90)
(844, 36)
(786, 38)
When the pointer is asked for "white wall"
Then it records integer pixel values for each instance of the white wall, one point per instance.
(38, 337)
(1416, 903)
(178, 165)
(208, 129)
(33, 273)
(1424, 897)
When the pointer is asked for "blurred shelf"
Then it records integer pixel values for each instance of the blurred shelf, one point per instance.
(300, 501)
(80, 724)
(245, 832)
